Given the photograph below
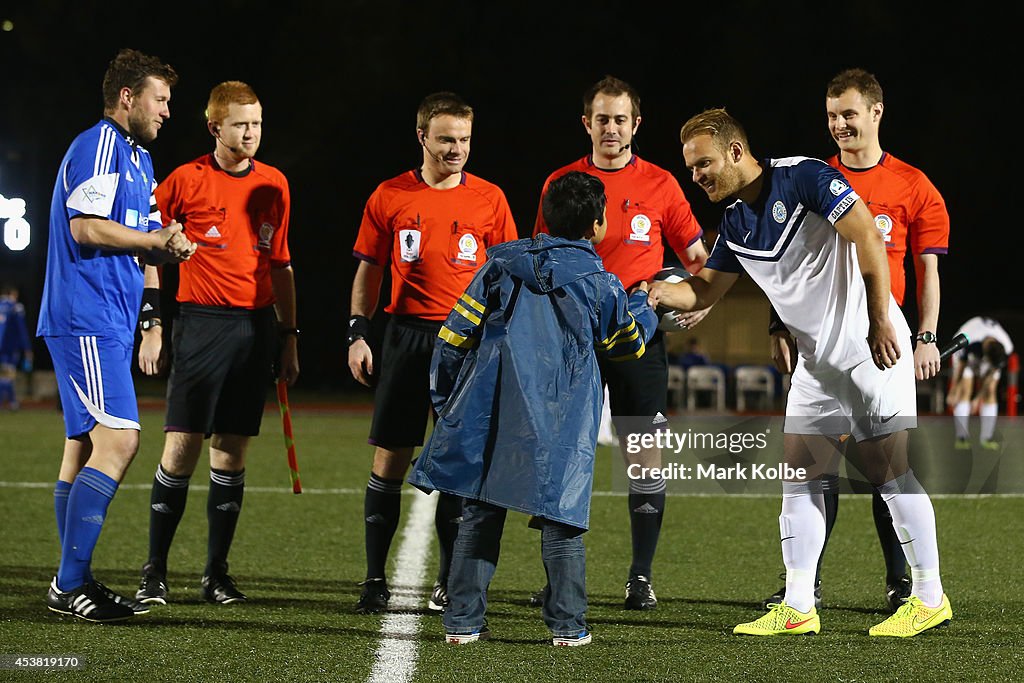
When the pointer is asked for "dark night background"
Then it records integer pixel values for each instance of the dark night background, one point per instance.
(340, 84)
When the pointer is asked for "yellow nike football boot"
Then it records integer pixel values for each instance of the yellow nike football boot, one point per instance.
(914, 618)
(782, 620)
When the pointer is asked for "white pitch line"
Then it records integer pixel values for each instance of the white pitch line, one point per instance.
(395, 659)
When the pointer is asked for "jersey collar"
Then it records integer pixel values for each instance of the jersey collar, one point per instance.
(590, 163)
(418, 172)
(125, 134)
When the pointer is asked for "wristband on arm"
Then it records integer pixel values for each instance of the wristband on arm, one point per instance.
(358, 328)
(150, 310)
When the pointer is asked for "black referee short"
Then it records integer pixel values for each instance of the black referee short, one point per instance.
(637, 388)
(222, 368)
(402, 399)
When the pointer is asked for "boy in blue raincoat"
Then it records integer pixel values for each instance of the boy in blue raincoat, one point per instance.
(516, 386)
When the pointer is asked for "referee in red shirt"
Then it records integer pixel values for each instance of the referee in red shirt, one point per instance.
(431, 227)
(645, 207)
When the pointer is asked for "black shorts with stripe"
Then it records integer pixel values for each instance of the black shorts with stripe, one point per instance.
(638, 387)
(222, 368)
(402, 400)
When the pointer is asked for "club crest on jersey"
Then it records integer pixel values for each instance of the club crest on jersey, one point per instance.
(837, 187)
(467, 248)
(779, 212)
(266, 234)
(884, 225)
(640, 228)
(409, 241)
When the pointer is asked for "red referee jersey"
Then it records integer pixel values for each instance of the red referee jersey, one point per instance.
(434, 239)
(904, 203)
(645, 203)
(240, 223)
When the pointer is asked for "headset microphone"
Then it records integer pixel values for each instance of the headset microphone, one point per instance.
(625, 147)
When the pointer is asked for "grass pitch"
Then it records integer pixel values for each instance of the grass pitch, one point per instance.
(299, 559)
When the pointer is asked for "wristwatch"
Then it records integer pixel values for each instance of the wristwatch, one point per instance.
(149, 324)
(925, 337)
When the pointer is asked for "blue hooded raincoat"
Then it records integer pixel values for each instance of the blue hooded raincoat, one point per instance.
(515, 381)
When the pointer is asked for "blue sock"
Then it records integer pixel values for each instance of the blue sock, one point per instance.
(88, 501)
(60, 506)
(6, 391)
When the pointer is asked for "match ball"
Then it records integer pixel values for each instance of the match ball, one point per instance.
(668, 318)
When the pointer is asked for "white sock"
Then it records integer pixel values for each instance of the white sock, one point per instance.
(802, 529)
(961, 413)
(913, 518)
(604, 432)
(988, 412)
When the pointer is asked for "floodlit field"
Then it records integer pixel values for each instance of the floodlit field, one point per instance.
(299, 559)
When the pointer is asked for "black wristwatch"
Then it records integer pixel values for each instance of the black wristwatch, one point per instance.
(925, 337)
(149, 324)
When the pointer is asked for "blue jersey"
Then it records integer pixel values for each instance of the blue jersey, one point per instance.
(13, 330)
(787, 242)
(91, 291)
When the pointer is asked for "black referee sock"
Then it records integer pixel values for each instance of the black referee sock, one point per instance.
(166, 506)
(830, 491)
(646, 510)
(381, 510)
(222, 509)
(447, 517)
(892, 551)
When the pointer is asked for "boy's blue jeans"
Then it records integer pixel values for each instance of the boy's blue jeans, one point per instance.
(475, 558)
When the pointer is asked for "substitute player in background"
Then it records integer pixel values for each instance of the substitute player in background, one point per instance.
(431, 227)
(102, 218)
(645, 207)
(976, 373)
(15, 345)
(804, 236)
(907, 209)
(226, 334)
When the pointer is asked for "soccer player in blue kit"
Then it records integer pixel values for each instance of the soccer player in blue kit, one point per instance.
(102, 220)
(798, 229)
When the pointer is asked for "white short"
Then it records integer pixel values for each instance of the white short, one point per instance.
(864, 401)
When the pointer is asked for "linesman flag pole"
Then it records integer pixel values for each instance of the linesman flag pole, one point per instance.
(289, 439)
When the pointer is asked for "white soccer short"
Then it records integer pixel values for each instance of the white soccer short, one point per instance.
(864, 402)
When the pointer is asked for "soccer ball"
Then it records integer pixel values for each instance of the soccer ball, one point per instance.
(668, 319)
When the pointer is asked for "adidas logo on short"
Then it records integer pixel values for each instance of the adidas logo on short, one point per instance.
(646, 509)
(230, 506)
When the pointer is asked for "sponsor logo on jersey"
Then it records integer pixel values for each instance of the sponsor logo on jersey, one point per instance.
(266, 234)
(92, 194)
(884, 225)
(409, 240)
(131, 218)
(779, 212)
(640, 227)
(467, 248)
(837, 187)
(213, 232)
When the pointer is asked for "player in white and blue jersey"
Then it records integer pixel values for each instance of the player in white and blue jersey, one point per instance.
(805, 237)
(101, 222)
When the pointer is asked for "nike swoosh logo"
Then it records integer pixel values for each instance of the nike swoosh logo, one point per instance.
(790, 624)
(886, 419)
